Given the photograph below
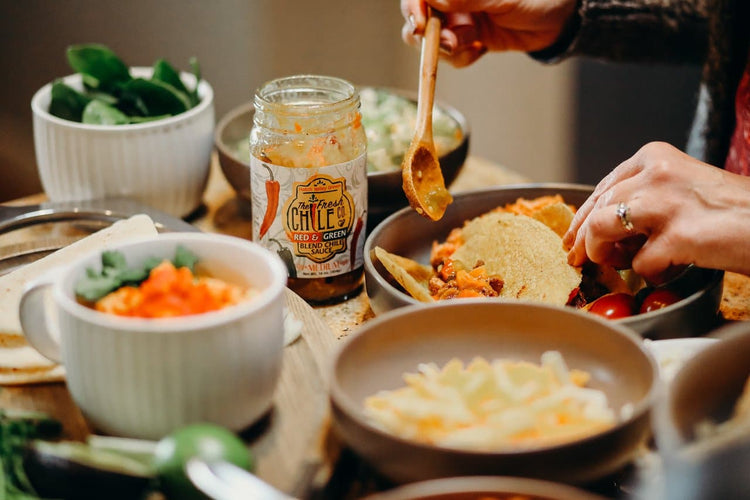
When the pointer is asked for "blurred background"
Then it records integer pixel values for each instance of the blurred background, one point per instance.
(572, 121)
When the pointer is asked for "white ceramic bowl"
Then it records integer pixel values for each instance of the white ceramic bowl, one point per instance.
(163, 163)
(672, 354)
(143, 378)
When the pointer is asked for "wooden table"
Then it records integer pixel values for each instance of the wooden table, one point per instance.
(293, 447)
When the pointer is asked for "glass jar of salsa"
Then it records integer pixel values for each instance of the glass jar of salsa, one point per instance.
(308, 176)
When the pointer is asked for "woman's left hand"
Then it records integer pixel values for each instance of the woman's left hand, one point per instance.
(663, 209)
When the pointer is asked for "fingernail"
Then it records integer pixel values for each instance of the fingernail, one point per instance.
(571, 258)
(566, 239)
(446, 47)
(413, 23)
(479, 47)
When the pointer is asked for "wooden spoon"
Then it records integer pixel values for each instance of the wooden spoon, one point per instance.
(423, 181)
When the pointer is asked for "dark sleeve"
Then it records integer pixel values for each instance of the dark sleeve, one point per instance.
(674, 31)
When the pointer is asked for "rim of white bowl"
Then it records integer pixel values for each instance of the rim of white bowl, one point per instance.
(176, 325)
(41, 98)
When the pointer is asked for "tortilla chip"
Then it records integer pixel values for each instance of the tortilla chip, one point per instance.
(557, 217)
(411, 275)
(527, 255)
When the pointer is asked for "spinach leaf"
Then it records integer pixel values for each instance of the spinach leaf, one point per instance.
(100, 66)
(197, 72)
(152, 98)
(165, 73)
(66, 102)
(99, 113)
(144, 119)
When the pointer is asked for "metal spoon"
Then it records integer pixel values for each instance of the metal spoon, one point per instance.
(225, 481)
(423, 181)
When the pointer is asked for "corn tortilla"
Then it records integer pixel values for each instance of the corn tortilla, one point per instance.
(526, 254)
(557, 217)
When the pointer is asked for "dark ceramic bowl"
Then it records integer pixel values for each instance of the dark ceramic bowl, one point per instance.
(411, 235)
(484, 487)
(385, 194)
(383, 349)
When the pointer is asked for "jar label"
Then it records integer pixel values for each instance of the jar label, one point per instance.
(313, 217)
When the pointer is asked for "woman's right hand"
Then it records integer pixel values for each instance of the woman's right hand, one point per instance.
(680, 211)
(472, 28)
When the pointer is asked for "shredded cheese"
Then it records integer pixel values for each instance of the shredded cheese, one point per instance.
(492, 406)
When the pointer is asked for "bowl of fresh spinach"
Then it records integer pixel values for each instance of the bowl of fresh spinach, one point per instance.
(113, 130)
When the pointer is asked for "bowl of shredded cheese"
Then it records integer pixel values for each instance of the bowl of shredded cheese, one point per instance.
(473, 387)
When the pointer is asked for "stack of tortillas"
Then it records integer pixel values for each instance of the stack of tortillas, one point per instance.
(19, 362)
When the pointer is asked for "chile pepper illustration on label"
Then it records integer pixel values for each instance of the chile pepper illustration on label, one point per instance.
(315, 220)
(272, 195)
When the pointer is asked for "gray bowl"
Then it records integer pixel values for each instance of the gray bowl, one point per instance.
(707, 386)
(478, 487)
(705, 389)
(385, 194)
(378, 354)
(411, 235)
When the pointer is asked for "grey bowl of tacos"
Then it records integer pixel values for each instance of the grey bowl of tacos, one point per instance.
(505, 243)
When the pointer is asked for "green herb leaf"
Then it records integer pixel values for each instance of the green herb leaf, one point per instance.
(151, 263)
(152, 98)
(133, 276)
(99, 113)
(164, 72)
(99, 65)
(197, 72)
(114, 259)
(184, 258)
(17, 429)
(94, 288)
(145, 119)
(66, 102)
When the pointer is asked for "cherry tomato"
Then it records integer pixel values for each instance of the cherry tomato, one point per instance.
(613, 305)
(659, 298)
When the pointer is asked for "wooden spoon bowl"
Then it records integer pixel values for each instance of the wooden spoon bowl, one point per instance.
(423, 181)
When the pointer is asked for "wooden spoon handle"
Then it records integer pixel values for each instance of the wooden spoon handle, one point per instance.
(428, 75)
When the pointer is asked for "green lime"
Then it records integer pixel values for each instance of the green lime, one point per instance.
(207, 441)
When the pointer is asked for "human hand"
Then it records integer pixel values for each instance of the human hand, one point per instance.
(682, 211)
(471, 28)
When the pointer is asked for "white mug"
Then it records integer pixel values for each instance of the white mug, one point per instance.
(143, 378)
